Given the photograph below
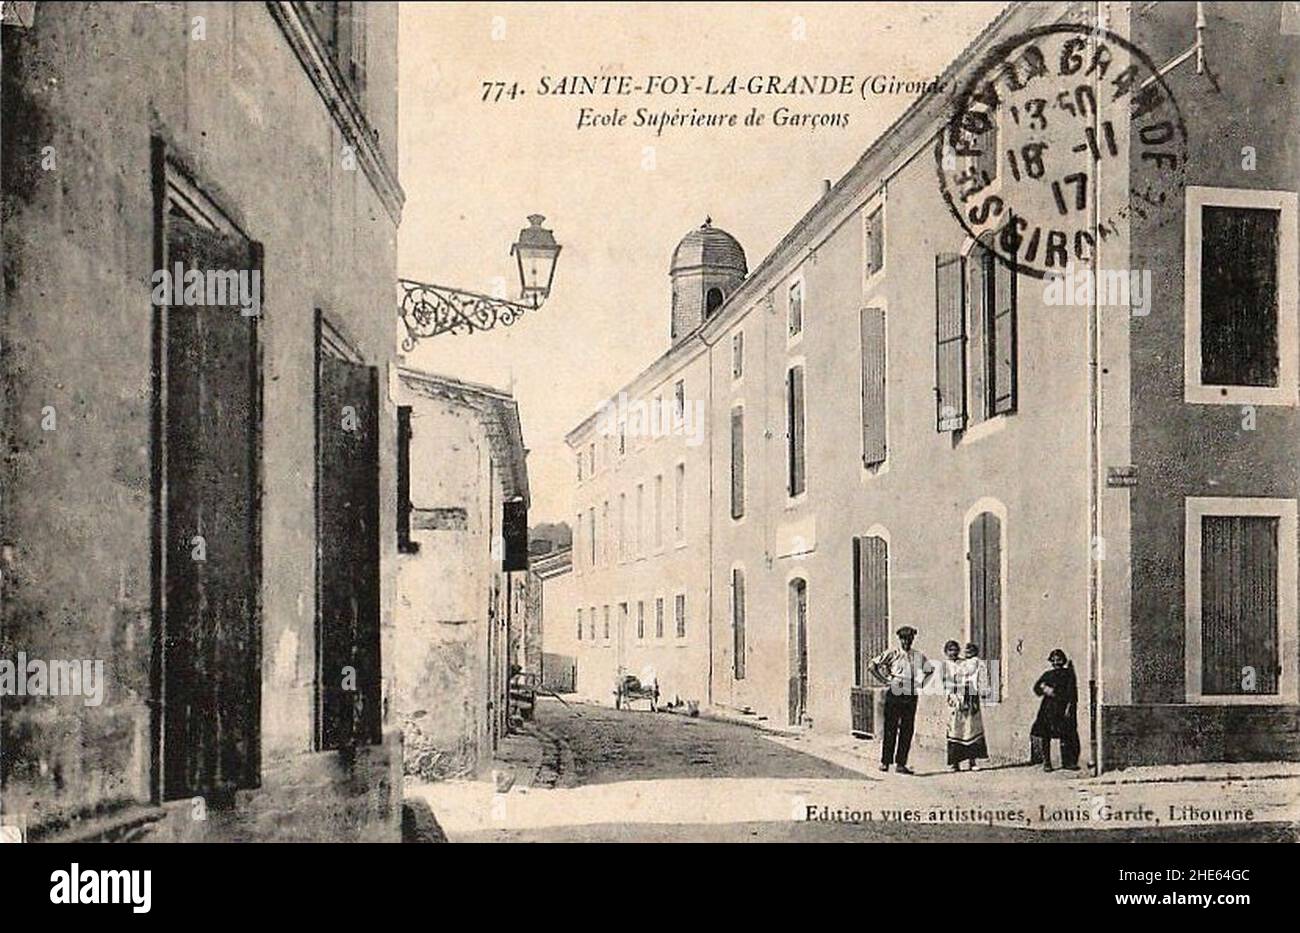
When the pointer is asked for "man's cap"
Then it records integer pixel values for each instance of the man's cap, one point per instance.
(906, 632)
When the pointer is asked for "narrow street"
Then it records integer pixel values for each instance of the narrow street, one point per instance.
(605, 775)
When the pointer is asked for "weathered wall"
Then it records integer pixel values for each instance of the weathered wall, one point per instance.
(449, 684)
(1186, 450)
(238, 108)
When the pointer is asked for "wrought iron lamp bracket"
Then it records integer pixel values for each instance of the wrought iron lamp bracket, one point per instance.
(429, 310)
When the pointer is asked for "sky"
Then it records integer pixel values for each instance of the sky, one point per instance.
(620, 198)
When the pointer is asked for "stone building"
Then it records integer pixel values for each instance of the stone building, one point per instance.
(462, 577)
(551, 579)
(199, 482)
(904, 429)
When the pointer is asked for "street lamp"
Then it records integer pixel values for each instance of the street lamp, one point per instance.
(429, 310)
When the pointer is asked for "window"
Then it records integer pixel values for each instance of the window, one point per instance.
(679, 503)
(341, 26)
(1240, 296)
(591, 458)
(874, 241)
(679, 614)
(796, 481)
(579, 625)
(1240, 593)
(737, 354)
(591, 534)
(870, 603)
(404, 543)
(577, 543)
(606, 549)
(640, 519)
(984, 568)
(605, 616)
(640, 619)
(990, 298)
(738, 623)
(984, 162)
(712, 301)
(737, 462)
(622, 622)
(580, 466)
(659, 510)
(659, 617)
(794, 309)
(623, 547)
(679, 400)
(622, 438)
(873, 386)
(593, 623)
(950, 344)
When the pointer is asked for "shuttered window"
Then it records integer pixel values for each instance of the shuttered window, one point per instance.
(640, 619)
(404, 543)
(1239, 605)
(874, 246)
(1002, 392)
(794, 309)
(794, 391)
(978, 295)
(679, 612)
(659, 617)
(679, 502)
(873, 386)
(985, 560)
(605, 622)
(737, 354)
(579, 625)
(950, 344)
(738, 623)
(737, 462)
(870, 603)
(593, 623)
(1239, 296)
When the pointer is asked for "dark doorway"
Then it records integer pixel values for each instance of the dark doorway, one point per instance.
(208, 490)
(798, 650)
(349, 685)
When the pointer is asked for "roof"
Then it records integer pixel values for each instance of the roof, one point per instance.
(710, 246)
(497, 410)
(553, 564)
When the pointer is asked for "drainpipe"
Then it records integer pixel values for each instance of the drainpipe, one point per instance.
(708, 358)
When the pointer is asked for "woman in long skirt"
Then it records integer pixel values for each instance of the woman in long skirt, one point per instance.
(1057, 714)
(964, 685)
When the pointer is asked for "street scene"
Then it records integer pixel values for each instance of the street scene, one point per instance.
(478, 423)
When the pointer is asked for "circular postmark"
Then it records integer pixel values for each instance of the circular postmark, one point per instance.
(1060, 137)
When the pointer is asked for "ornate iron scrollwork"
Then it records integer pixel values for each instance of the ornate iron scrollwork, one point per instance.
(430, 310)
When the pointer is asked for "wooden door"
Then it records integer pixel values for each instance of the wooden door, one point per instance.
(348, 673)
(210, 515)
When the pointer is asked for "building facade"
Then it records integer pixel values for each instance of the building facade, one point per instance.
(462, 585)
(166, 445)
(904, 429)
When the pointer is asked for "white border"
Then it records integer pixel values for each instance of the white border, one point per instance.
(1287, 391)
(1283, 509)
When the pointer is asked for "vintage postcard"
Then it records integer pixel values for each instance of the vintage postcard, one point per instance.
(678, 422)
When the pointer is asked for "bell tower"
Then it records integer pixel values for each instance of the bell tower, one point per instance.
(708, 265)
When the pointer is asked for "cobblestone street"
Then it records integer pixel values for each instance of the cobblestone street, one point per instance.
(590, 773)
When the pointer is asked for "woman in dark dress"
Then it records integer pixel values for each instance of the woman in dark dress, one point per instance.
(1057, 714)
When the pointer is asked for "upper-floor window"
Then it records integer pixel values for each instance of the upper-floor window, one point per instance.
(796, 479)
(404, 543)
(1240, 296)
(679, 400)
(659, 510)
(873, 386)
(579, 625)
(679, 613)
(591, 458)
(794, 309)
(737, 462)
(737, 354)
(679, 503)
(874, 241)
(342, 28)
(580, 466)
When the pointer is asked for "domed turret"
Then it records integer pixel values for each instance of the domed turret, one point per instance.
(708, 265)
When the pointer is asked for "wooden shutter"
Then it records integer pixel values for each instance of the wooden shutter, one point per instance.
(1005, 376)
(985, 558)
(1239, 604)
(950, 344)
(875, 241)
(404, 542)
(348, 547)
(873, 385)
(211, 411)
(514, 531)
(738, 622)
(659, 617)
(679, 605)
(978, 269)
(737, 462)
(870, 601)
(795, 429)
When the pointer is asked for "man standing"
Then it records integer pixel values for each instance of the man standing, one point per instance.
(905, 671)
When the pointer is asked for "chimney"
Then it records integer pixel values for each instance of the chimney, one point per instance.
(826, 187)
